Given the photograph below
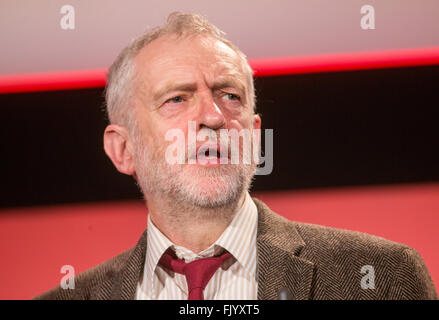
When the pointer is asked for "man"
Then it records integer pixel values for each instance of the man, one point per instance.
(206, 237)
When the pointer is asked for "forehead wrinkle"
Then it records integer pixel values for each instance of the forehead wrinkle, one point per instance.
(226, 74)
(219, 70)
(228, 82)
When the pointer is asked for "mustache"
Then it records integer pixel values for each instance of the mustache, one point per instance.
(222, 144)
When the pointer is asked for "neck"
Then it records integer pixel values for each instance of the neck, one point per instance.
(193, 228)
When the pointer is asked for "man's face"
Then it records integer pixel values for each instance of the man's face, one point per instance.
(179, 80)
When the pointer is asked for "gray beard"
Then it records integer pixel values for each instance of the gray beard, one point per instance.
(191, 188)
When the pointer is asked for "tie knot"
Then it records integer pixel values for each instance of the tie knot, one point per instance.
(198, 272)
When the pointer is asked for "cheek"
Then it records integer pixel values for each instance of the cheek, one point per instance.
(148, 136)
(173, 134)
(241, 122)
(143, 134)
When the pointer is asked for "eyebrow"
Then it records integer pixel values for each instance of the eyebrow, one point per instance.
(228, 83)
(192, 86)
(171, 87)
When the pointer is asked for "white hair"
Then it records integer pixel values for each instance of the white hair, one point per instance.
(119, 88)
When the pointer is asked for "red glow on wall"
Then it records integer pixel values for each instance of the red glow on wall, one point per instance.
(346, 61)
(49, 81)
(336, 62)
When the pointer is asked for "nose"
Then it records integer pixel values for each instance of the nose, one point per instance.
(210, 115)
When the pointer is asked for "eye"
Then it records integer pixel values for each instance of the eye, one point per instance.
(232, 96)
(176, 99)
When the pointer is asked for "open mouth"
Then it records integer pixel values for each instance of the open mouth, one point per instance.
(210, 155)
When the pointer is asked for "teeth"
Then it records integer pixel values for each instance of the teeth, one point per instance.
(207, 154)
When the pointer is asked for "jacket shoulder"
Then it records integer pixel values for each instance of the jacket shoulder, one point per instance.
(349, 264)
(102, 275)
(323, 238)
(398, 270)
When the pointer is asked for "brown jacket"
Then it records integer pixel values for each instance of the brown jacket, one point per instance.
(309, 261)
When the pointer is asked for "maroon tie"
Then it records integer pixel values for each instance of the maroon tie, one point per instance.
(198, 272)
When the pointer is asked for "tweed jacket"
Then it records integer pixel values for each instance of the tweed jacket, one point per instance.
(303, 261)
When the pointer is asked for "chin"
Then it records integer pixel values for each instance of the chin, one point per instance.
(210, 190)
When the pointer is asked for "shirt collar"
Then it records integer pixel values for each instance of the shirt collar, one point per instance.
(239, 238)
(157, 243)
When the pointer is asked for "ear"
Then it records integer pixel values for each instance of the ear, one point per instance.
(256, 135)
(257, 121)
(119, 148)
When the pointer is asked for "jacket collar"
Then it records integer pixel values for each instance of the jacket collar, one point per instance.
(279, 268)
(124, 282)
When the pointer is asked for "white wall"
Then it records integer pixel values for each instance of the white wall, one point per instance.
(33, 41)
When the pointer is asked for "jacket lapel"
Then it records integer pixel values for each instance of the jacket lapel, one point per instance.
(280, 267)
(132, 272)
(124, 281)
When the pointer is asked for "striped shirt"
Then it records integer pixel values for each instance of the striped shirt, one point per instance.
(235, 279)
